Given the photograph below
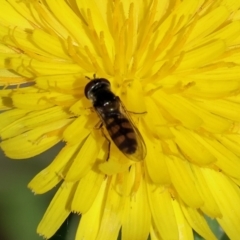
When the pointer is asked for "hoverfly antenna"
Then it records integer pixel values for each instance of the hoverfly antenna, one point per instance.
(90, 79)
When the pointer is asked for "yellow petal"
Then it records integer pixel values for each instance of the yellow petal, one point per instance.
(5, 100)
(181, 13)
(207, 24)
(80, 106)
(31, 120)
(33, 142)
(164, 219)
(220, 107)
(6, 118)
(85, 158)
(134, 97)
(212, 89)
(111, 213)
(86, 192)
(202, 55)
(227, 161)
(20, 39)
(230, 142)
(154, 118)
(213, 73)
(46, 67)
(136, 215)
(66, 16)
(229, 33)
(183, 181)
(113, 166)
(154, 234)
(184, 229)
(57, 211)
(156, 163)
(11, 17)
(182, 113)
(77, 131)
(74, 82)
(88, 229)
(198, 222)
(44, 181)
(3, 57)
(55, 172)
(47, 20)
(49, 44)
(210, 206)
(97, 19)
(231, 5)
(38, 101)
(227, 196)
(126, 183)
(193, 150)
(211, 122)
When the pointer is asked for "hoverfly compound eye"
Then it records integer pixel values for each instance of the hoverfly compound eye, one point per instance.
(87, 89)
(94, 85)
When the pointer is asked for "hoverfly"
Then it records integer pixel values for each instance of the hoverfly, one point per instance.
(113, 115)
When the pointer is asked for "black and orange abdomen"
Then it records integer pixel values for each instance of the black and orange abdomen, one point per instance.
(122, 133)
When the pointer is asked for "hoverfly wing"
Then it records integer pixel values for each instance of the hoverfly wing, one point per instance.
(124, 133)
(141, 150)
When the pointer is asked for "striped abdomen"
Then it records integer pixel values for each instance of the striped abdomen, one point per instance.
(122, 133)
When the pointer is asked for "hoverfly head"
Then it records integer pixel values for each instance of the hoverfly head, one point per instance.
(95, 86)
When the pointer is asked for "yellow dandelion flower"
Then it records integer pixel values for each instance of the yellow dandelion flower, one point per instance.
(174, 65)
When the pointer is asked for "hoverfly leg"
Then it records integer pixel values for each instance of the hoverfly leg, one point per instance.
(137, 113)
(109, 144)
(99, 126)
